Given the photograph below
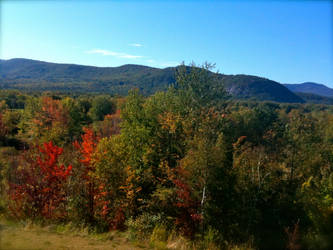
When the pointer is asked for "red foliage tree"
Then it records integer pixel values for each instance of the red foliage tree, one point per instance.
(39, 189)
(87, 148)
(95, 192)
(188, 208)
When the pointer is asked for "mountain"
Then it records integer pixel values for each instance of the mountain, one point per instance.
(38, 75)
(258, 88)
(311, 88)
(26, 74)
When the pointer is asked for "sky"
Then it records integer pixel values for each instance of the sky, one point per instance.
(286, 41)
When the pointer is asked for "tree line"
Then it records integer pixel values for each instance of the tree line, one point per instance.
(188, 160)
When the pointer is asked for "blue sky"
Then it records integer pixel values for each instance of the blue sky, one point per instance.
(286, 41)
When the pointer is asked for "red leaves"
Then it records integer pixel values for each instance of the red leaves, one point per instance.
(87, 146)
(96, 191)
(118, 222)
(188, 207)
(40, 187)
(48, 162)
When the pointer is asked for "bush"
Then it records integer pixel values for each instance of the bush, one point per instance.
(142, 226)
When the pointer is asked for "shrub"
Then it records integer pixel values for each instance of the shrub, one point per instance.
(142, 226)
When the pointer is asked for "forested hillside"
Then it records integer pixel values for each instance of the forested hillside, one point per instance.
(39, 76)
(313, 98)
(24, 74)
(186, 168)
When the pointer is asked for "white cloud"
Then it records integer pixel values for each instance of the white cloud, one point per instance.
(136, 45)
(112, 53)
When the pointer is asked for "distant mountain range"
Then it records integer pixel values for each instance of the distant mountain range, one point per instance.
(311, 88)
(26, 74)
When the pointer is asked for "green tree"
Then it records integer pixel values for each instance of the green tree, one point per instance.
(101, 106)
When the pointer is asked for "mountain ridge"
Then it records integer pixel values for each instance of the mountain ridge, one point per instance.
(28, 74)
(311, 88)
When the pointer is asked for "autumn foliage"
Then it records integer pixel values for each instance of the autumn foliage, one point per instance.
(189, 216)
(3, 129)
(86, 148)
(94, 192)
(183, 161)
(39, 187)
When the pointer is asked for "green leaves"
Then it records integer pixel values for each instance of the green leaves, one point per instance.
(197, 87)
(101, 106)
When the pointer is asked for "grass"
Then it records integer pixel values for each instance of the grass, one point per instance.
(20, 237)
(14, 236)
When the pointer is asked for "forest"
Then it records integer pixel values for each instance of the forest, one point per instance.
(189, 162)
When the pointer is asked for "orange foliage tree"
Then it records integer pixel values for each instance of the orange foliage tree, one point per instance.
(94, 191)
(51, 121)
(109, 189)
